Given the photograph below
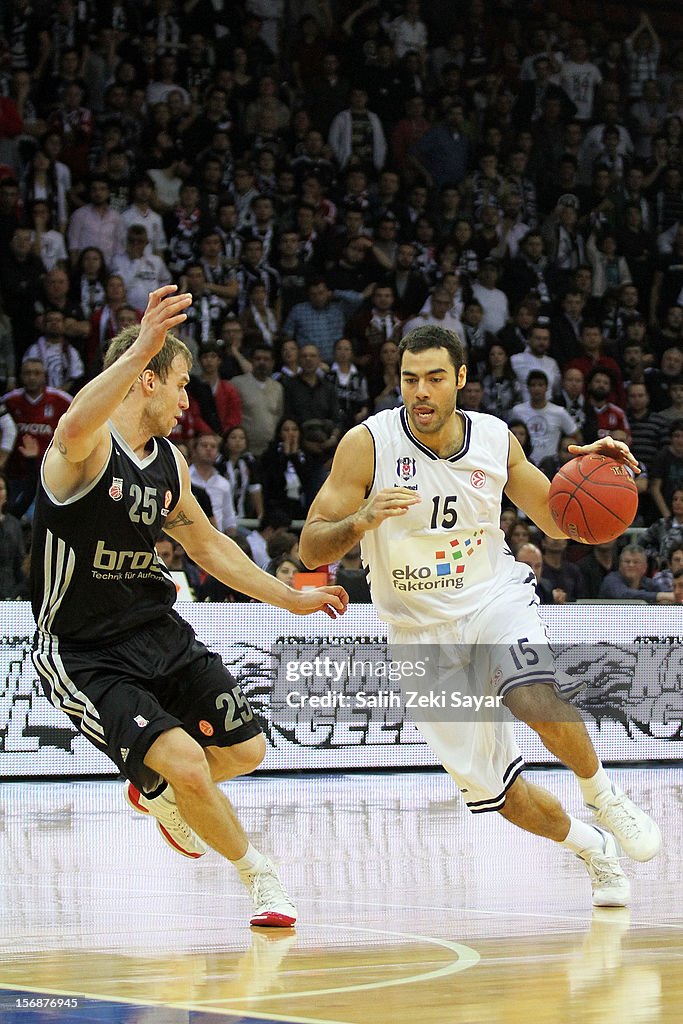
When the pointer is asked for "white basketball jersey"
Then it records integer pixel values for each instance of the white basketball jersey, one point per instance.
(445, 555)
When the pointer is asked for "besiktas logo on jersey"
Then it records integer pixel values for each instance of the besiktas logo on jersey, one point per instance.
(405, 467)
(116, 489)
(448, 569)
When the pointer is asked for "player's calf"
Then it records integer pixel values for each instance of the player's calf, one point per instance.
(539, 703)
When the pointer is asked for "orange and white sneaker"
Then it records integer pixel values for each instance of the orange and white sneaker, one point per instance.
(172, 826)
(274, 908)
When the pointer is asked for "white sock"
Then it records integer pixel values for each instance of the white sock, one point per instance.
(251, 861)
(594, 787)
(582, 837)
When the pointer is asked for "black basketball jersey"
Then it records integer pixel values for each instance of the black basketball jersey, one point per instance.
(94, 572)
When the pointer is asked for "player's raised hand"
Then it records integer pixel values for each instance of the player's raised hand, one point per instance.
(610, 448)
(390, 502)
(165, 310)
(331, 600)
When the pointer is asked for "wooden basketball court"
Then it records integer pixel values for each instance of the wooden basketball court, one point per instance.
(412, 911)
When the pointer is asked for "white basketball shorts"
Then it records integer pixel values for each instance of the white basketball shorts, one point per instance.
(485, 654)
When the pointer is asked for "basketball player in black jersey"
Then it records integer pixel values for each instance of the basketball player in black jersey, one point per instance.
(110, 650)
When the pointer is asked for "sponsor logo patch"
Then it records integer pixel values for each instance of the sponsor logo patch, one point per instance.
(116, 489)
(206, 728)
(405, 467)
(140, 721)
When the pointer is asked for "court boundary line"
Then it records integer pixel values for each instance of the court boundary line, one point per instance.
(466, 957)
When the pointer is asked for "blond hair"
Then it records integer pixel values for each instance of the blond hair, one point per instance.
(160, 364)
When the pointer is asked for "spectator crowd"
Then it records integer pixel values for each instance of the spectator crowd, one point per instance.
(323, 176)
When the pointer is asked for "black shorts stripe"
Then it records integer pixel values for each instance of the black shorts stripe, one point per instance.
(538, 675)
(513, 770)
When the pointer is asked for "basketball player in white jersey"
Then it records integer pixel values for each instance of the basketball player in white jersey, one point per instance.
(420, 487)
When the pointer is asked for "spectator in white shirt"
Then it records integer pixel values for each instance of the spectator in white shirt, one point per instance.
(546, 423)
(408, 32)
(63, 365)
(203, 473)
(141, 273)
(141, 212)
(157, 91)
(438, 311)
(535, 357)
(493, 301)
(579, 78)
(94, 224)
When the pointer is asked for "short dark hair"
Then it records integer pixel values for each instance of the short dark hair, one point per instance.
(431, 336)
(677, 545)
(597, 371)
(536, 375)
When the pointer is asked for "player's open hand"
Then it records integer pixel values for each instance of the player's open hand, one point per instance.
(29, 447)
(390, 502)
(610, 448)
(165, 310)
(331, 600)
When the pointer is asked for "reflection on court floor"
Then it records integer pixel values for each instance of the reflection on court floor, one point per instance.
(411, 911)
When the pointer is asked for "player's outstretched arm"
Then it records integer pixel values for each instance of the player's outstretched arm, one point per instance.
(83, 426)
(528, 489)
(341, 511)
(223, 559)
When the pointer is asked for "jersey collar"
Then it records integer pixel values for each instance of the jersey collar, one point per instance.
(121, 441)
(467, 423)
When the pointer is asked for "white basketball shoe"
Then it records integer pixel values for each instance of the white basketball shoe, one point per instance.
(172, 826)
(611, 887)
(635, 831)
(273, 907)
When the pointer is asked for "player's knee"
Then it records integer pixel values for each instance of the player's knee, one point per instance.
(516, 801)
(251, 753)
(242, 758)
(192, 779)
(189, 773)
(535, 703)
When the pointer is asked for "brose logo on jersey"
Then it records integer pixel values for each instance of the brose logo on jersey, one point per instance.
(110, 564)
(116, 489)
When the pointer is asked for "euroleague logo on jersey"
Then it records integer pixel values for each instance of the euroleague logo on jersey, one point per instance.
(478, 478)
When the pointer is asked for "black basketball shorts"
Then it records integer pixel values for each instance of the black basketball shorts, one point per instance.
(122, 696)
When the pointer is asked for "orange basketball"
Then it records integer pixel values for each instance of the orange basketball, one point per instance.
(593, 499)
